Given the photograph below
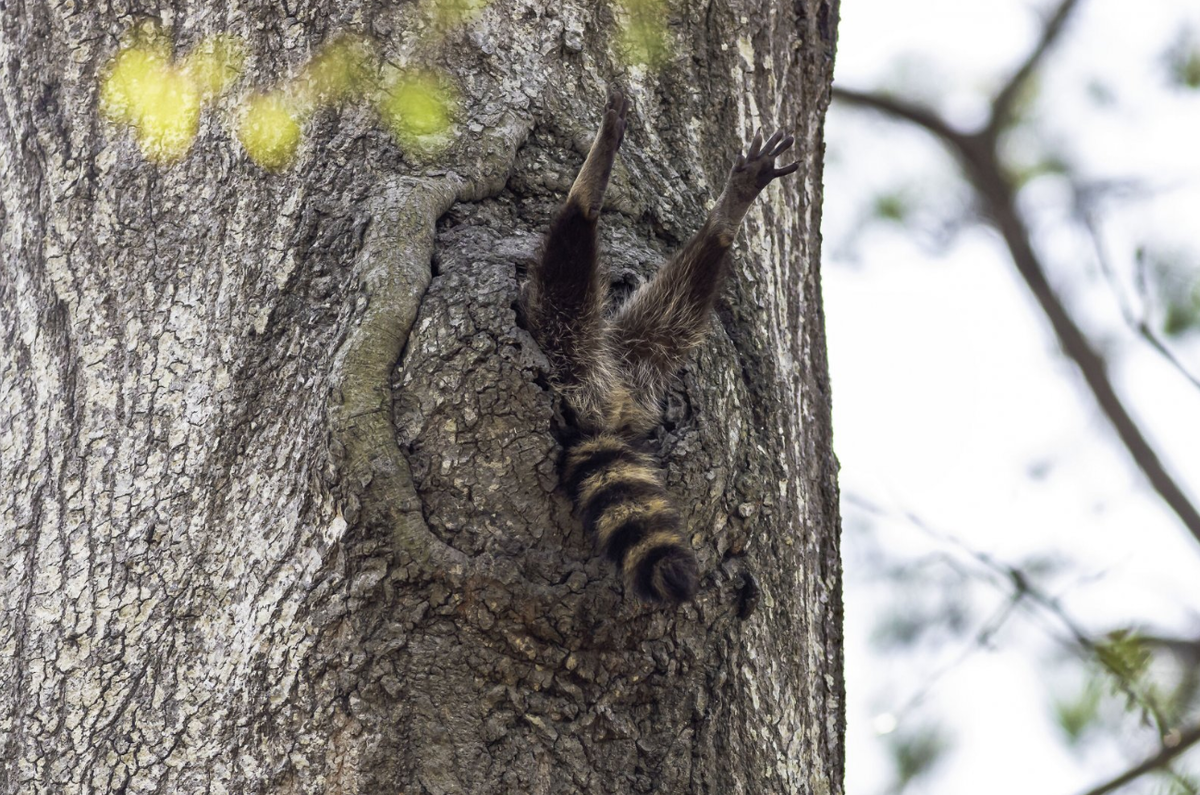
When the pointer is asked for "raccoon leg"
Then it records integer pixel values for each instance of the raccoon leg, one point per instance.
(667, 317)
(587, 192)
(565, 294)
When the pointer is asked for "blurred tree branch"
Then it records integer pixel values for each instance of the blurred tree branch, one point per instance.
(1087, 219)
(1176, 744)
(1002, 105)
(977, 153)
(1187, 649)
(1022, 589)
(902, 109)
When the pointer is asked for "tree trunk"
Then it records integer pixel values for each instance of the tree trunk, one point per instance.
(279, 498)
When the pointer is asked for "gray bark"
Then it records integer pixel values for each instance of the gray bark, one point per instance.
(278, 466)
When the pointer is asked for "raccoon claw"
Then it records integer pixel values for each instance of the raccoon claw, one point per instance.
(615, 111)
(755, 170)
(587, 192)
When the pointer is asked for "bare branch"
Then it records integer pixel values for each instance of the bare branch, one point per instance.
(901, 109)
(1002, 105)
(1183, 740)
(998, 198)
(1184, 648)
(1023, 591)
(1174, 742)
(996, 192)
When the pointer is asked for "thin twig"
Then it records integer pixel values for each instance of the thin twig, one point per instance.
(1086, 213)
(983, 636)
(1174, 742)
(1186, 649)
(1184, 740)
(1002, 104)
(1023, 591)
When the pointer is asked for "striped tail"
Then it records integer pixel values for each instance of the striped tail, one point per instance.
(621, 499)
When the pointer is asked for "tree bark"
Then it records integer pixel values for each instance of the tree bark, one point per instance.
(279, 502)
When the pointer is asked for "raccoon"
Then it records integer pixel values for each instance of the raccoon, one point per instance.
(613, 370)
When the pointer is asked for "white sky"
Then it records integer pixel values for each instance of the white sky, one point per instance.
(950, 394)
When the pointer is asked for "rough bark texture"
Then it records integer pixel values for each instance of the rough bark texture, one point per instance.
(278, 465)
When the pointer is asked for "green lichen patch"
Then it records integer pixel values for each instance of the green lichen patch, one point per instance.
(643, 39)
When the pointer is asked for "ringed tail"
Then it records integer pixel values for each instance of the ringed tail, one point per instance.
(620, 496)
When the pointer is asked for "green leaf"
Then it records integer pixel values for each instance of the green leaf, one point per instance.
(916, 752)
(1124, 656)
(1078, 715)
(1180, 318)
(1183, 61)
(892, 206)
